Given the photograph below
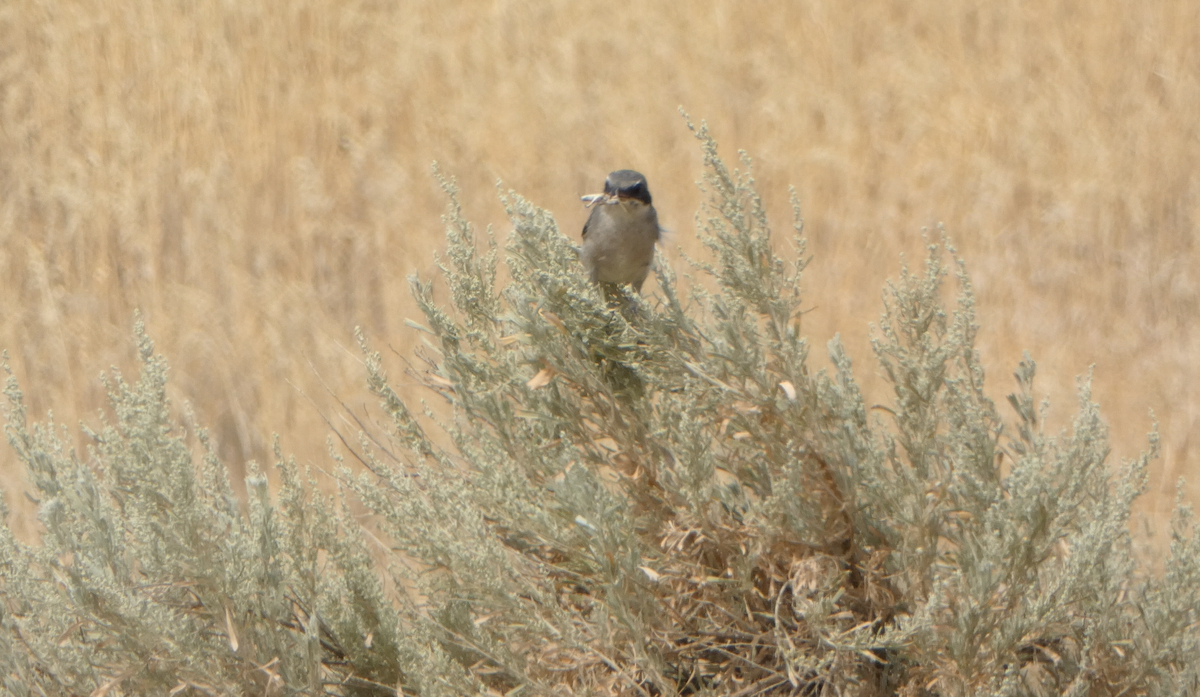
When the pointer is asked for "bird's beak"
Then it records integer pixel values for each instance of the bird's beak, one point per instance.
(603, 200)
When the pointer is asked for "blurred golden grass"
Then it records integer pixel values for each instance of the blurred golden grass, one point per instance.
(255, 178)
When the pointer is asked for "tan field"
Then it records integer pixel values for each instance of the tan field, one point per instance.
(255, 177)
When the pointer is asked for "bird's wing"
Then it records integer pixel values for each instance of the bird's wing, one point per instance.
(591, 219)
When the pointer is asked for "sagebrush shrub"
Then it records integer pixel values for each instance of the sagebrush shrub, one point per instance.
(634, 495)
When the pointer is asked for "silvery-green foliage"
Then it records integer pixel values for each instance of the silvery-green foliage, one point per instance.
(586, 431)
(631, 495)
(152, 578)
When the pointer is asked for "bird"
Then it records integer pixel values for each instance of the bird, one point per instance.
(620, 234)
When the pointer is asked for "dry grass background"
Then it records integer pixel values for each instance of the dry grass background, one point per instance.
(255, 178)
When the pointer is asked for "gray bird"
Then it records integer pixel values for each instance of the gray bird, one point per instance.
(619, 236)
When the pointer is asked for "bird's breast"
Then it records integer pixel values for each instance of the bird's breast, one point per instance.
(619, 243)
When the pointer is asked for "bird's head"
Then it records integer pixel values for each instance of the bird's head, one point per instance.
(622, 187)
(626, 185)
